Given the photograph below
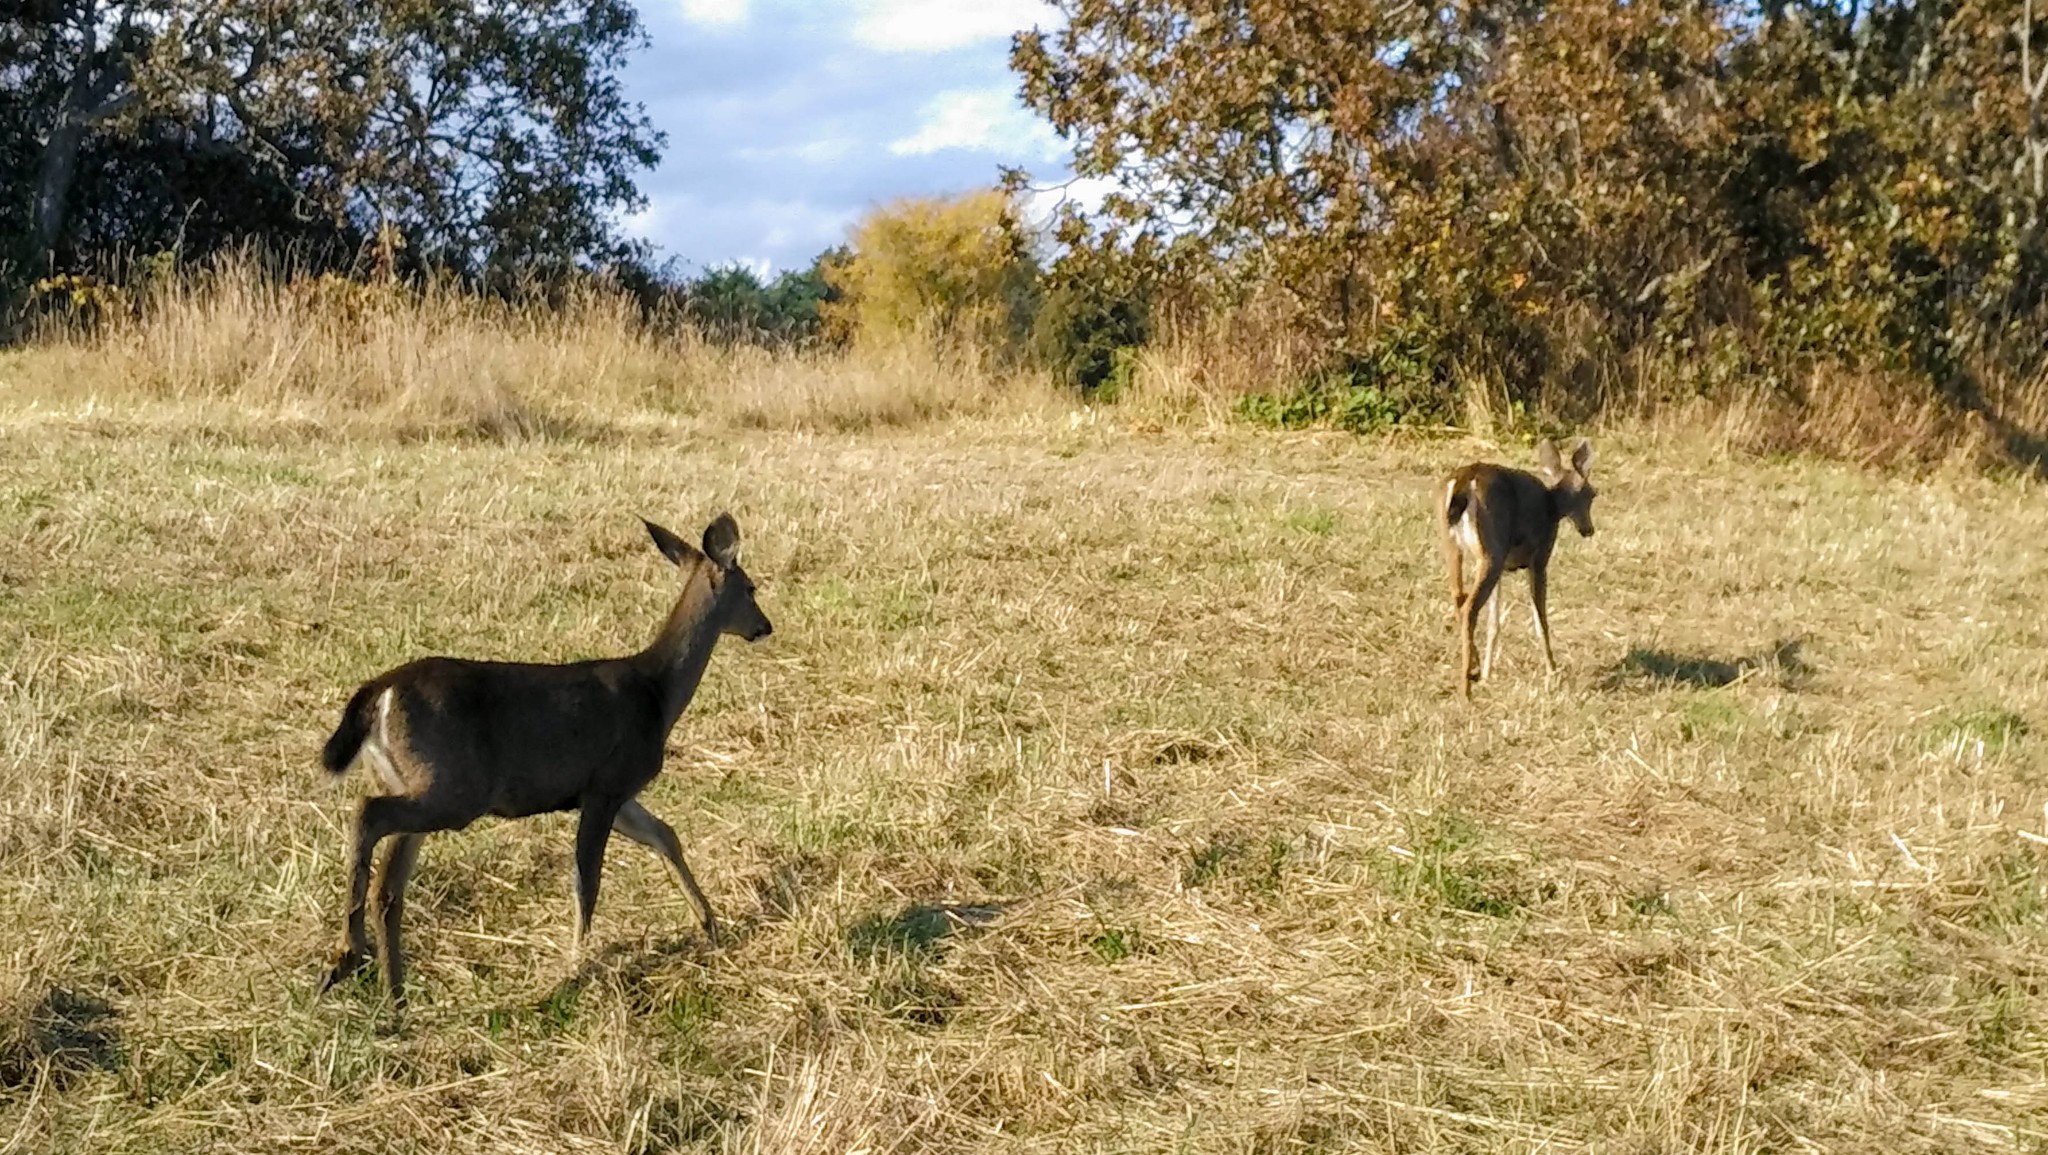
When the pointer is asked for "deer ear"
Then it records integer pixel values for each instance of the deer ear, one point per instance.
(1582, 456)
(672, 547)
(722, 541)
(1546, 458)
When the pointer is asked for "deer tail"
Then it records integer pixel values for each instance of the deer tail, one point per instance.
(355, 726)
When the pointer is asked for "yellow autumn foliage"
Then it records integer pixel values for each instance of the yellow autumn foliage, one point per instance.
(954, 270)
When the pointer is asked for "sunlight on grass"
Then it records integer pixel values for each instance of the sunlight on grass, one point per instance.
(1108, 799)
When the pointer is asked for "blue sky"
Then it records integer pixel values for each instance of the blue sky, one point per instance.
(787, 119)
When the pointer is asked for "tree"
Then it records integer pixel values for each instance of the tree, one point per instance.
(1551, 190)
(733, 303)
(957, 270)
(492, 134)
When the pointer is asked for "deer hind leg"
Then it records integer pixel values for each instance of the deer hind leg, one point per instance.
(355, 944)
(375, 819)
(392, 875)
(639, 824)
(1454, 572)
(1468, 622)
(593, 830)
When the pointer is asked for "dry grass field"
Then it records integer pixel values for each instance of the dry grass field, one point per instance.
(1102, 789)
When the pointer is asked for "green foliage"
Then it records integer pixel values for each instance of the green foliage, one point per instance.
(496, 139)
(917, 931)
(1989, 730)
(1391, 386)
(1257, 865)
(1094, 315)
(1115, 944)
(77, 300)
(1650, 904)
(732, 303)
(1580, 201)
(1445, 864)
(1710, 716)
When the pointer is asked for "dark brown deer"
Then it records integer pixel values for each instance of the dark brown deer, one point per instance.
(1505, 519)
(450, 740)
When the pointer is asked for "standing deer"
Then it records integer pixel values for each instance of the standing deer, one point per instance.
(449, 740)
(1504, 519)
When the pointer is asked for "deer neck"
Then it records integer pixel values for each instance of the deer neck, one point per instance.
(678, 655)
(1553, 505)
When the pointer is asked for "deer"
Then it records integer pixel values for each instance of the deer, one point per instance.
(1503, 519)
(450, 740)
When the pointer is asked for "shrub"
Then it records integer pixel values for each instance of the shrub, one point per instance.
(1089, 322)
(954, 269)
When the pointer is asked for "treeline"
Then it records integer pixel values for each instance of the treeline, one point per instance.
(484, 144)
(489, 140)
(1572, 202)
(1363, 213)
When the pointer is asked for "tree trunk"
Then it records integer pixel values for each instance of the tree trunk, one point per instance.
(53, 181)
(91, 97)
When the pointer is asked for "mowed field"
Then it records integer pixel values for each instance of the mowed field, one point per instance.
(1100, 790)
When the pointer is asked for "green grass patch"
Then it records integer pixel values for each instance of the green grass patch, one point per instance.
(1448, 864)
(1985, 731)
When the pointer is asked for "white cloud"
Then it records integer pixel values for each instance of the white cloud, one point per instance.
(722, 13)
(649, 222)
(943, 25)
(826, 151)
(980, 120)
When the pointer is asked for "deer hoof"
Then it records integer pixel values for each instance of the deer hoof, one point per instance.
(345, 965)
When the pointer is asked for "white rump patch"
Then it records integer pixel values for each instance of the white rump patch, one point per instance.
(1466, 533)
(376, 752)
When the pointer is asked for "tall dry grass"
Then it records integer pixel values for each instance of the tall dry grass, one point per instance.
(241, 335)
(1203, 366)
(243, 338)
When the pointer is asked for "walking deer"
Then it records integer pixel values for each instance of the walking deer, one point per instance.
(449, 740)
(1505, 519)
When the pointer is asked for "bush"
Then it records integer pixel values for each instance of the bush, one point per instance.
(956, 270)
(732, 303)
(1088, 324)
(1395, 383)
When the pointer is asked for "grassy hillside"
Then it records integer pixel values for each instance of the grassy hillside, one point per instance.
(1101, 789)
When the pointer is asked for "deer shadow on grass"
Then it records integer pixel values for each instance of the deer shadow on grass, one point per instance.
(920, 929)
(2024, 448)
(899, 951)
(629, 967)
(68, 1034)
(1783, 663)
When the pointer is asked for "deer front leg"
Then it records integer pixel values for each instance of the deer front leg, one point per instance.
(593, 830)
(639, 824)
(1539, 595)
